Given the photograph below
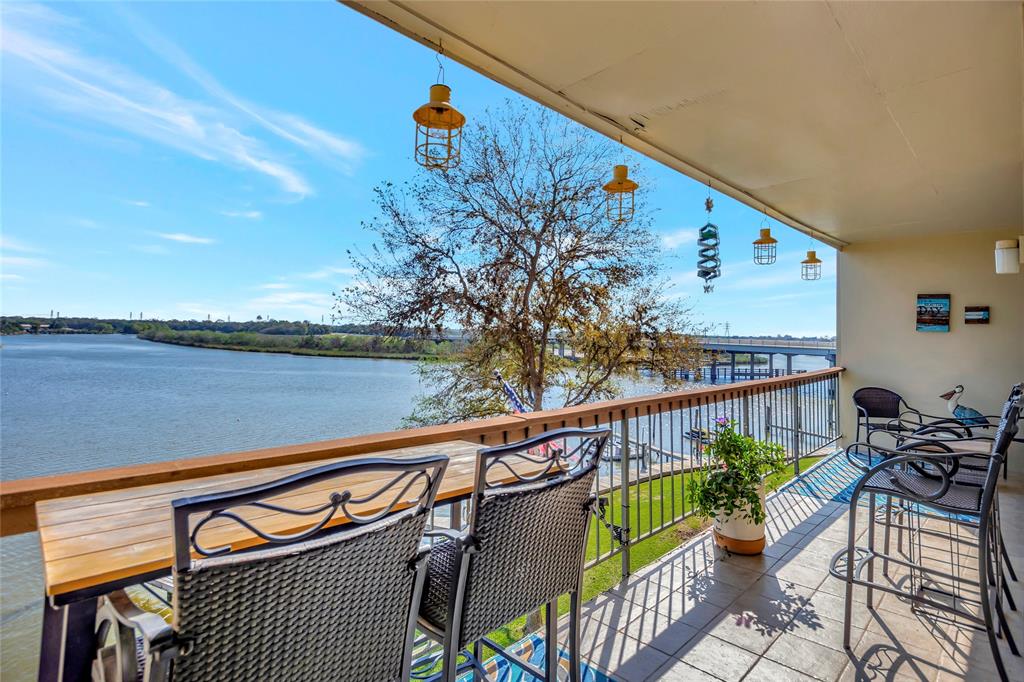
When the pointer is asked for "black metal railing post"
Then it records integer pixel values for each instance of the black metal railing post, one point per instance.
(624, 494)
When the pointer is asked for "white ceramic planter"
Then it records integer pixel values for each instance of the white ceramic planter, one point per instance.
(738, 533)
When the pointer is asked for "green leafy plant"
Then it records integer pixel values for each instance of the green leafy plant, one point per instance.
(738, 465)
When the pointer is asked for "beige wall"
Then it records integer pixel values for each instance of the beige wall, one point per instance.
(878, 344)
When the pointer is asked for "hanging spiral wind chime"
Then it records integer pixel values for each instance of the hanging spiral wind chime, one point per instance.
(765, 245)
(709, 261)
(439, 126)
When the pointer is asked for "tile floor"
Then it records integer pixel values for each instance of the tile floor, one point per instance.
(699, 615)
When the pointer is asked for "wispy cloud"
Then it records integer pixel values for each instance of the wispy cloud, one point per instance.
(23, 262)
(87, 223)
(152, 249)
(137, 202)
(286, 126)
(250, 215)
(307, 304)
(676, 238)
(183, 238)
(328, 271)
(10, 277)
(113, 95)
(275, 285)
(8, 243)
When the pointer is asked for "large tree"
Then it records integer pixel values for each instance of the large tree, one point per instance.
(514, 247)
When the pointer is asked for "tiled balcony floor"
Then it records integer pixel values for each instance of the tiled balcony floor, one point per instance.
(698, 615)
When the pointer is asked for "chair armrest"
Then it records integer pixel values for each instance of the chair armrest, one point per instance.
(464, 541)
(118, 661)
(446, 533)
(907, 449)
(153, 629)
(915, 462)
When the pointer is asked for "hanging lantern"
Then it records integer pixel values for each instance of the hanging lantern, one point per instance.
(810, 267)
(438, 130)
(619, 199)
(709, 262)
(764, 247)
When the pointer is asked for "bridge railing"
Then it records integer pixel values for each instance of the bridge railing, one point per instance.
(767, 342)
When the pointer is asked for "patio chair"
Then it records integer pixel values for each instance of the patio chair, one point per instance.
(928, 480)
(879, 409)
(961, 437)
(524, 548)
(322, 587)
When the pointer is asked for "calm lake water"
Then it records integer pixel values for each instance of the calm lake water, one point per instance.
(69, 403)
(82, 402)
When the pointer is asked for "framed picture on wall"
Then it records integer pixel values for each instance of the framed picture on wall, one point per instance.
(976, 314)
(933, 312)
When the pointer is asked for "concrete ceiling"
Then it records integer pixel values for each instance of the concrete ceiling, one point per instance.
(851, 121)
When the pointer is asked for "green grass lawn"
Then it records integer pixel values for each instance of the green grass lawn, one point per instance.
(646, 511)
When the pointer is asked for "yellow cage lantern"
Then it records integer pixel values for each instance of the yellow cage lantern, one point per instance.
(764, 247)
(619, 204)
(438, 130)
(810, 267)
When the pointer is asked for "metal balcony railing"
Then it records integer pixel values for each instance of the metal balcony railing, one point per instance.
(659, 443)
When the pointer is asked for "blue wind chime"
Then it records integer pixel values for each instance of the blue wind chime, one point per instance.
(709, 262)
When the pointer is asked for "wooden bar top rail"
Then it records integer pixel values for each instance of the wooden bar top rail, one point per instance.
(18, 497)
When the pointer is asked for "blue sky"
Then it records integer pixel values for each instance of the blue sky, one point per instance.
(194, 159)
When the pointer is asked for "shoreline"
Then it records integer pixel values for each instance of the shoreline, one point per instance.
(314, 352)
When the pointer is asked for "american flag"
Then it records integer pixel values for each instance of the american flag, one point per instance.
(517, 405)
(548, 449)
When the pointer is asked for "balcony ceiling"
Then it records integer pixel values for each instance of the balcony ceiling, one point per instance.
(853, 121)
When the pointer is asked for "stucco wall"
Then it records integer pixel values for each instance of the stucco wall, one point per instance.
(878, 345)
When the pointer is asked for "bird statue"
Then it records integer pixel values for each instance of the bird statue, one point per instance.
(966, 415)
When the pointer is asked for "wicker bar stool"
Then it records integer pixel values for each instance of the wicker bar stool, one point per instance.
(925, 483)
(972, 467)
(331, 601)
(524, 548)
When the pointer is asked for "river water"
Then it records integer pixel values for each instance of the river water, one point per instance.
(69, 403)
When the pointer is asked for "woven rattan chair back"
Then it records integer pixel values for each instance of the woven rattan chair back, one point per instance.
(531, 531)
(331, 602)
(877, 403)
(1008, 423)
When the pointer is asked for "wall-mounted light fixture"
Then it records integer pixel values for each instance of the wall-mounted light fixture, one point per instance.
(1008, 257)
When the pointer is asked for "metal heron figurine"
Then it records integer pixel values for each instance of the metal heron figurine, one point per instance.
(968, 415)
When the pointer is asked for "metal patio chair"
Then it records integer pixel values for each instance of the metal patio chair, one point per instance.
(323, 586)
(929, 484)
(524, 548)
(959, 436)
(880, 409)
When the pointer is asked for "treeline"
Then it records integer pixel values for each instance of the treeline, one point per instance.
(14, 325)
(340, 345)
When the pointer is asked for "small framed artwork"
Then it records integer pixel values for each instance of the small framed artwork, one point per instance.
(933, 312)
(976, 314)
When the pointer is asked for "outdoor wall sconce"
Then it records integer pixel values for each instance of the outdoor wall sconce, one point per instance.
(764, 247)
(619, 195)
(810, 267)
(438, 130)
(1008, 257)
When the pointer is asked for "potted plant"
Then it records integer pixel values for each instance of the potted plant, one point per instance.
(731, 489)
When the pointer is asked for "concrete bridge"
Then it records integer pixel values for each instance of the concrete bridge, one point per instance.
(730, 370)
